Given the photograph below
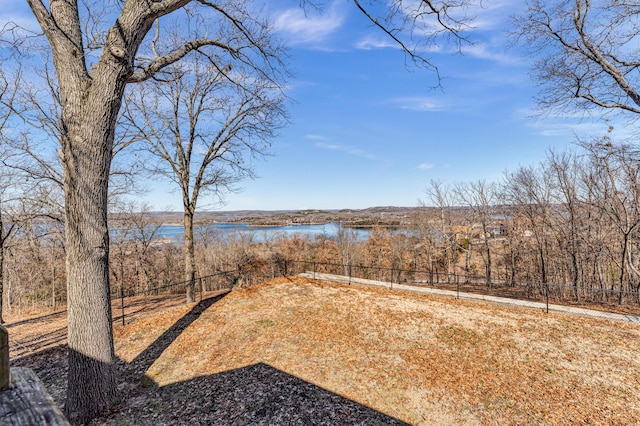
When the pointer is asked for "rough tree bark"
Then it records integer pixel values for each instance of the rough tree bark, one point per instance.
(189, 255)
(89, 105)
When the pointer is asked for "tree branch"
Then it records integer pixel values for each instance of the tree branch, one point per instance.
(161, 62)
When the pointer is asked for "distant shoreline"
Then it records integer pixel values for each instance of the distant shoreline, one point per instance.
(385, 217)
(272, 225)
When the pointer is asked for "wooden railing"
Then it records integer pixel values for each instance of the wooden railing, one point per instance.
(24, 401)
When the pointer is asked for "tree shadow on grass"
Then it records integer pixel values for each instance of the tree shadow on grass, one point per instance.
(257, 394)
(146, 358)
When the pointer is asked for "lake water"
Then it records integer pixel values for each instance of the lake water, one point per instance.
(262, 233)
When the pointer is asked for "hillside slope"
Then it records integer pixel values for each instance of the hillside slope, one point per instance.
(416, 358)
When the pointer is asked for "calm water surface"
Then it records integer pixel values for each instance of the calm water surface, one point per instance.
(261, 233)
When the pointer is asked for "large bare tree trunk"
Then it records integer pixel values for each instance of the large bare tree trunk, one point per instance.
(92, 385)
(90, 95)
(488, 266)
(89, 105)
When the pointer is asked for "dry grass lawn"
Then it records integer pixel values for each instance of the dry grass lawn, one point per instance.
(421, 359)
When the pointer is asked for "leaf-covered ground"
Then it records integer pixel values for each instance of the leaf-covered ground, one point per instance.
(420, 359)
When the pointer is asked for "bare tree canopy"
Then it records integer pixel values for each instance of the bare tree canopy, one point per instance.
(419, 26)
(202, 128)
(587, 53)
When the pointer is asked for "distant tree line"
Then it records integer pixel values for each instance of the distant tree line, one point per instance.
(573, 219)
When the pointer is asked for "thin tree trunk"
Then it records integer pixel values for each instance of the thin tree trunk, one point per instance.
(488, 260)
(575, 275)
(1, 270)
(543, 266)
(623, 266)
(53, 285)
(189, 256)
(467, 261)
(3, 240)
(512, 253)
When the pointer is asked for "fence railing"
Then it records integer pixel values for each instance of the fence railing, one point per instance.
(610, 298)
(134, 303)
(130, 303)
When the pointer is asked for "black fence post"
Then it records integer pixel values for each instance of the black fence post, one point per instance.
(546, 286)
(122, 301)
(349, 274)
(314, 270)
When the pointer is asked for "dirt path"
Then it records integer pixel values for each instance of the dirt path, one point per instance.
(33, 334)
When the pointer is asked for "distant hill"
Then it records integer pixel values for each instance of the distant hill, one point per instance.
(382, 215)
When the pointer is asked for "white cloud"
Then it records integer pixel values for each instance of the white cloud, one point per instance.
(301, 27)
(559, 127)
(425, 166)
(346, 149)
(315, 137)
(488, 16)
(420, 104)
(477, 16)
(554, 123)
(486, 52)
(371, 43)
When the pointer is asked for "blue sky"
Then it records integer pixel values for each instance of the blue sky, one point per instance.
(368, 130)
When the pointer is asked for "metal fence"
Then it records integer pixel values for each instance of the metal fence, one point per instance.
(609, 299)
(129, 304)
(133, 304)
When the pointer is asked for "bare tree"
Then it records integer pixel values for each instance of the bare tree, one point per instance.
(22, 203)
(614, 176)
(439, 195)
(92, 70)
(480, 197)
(587, 53)
(34, 150)
(347, 240)
(6, 232)
(204, 126)
(529, 191)
(7, 95)
(567, 170)
(133, 233)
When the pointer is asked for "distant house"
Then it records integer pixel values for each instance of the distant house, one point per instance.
(491, 230)
(496, 230)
